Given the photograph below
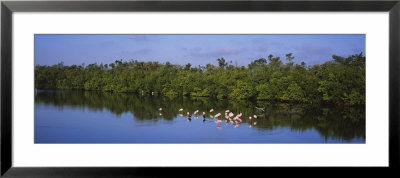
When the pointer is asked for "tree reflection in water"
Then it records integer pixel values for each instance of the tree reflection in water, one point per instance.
(334, 122)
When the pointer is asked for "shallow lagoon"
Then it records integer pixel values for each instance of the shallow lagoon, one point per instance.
(101, 117)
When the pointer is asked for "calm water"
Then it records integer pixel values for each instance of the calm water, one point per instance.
(99, 117)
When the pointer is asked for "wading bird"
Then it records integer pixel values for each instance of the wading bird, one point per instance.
(262, 109)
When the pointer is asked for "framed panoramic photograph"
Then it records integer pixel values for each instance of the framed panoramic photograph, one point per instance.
(136, 88)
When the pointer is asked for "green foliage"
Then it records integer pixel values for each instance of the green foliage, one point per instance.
(293, 93)
(289, 57)
(354, 97)
(222, 63)
(341, 80)
(265, 92)
(242, 90)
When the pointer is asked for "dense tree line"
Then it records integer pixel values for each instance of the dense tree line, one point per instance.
(340, 80)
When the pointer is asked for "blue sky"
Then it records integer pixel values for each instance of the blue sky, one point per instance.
(194, 49)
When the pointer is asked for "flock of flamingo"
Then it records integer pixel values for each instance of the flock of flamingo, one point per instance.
(228, 118)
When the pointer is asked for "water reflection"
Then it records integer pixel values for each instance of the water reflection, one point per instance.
(331, 122)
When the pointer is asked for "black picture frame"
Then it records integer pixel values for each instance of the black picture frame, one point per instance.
(8, 7)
